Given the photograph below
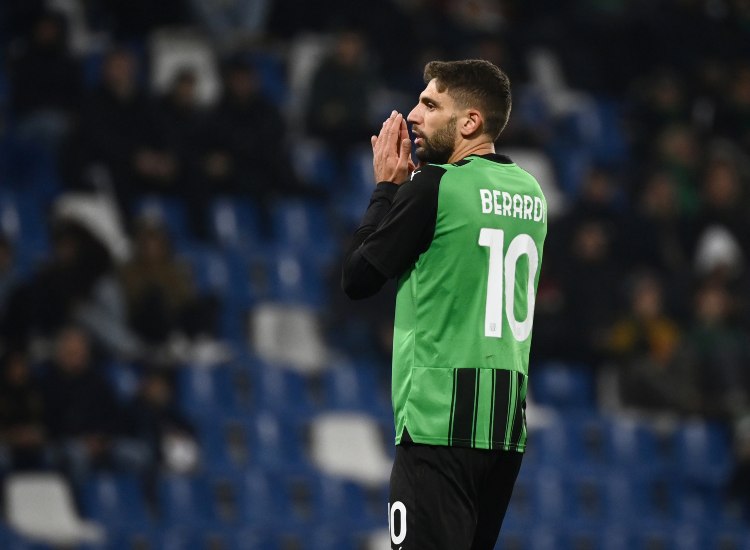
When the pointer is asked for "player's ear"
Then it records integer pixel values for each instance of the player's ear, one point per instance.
(472, 123)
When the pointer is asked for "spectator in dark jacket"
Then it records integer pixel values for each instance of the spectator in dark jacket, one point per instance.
(46, 81)
(22, 431)
(159, 421)
(83, 414)
(119, 132)
(247, 151)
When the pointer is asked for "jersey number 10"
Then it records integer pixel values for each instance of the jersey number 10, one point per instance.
(501, 283)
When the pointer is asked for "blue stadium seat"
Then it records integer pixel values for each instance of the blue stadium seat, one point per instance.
(667, 535)
(340, 503)
(251, 539)
(596, 536)
(513, 537)
(10, 540)
(611, 146)
(563, 386)
(608, 441)
(599, 497)
(169, 211)
(208, 268)
(296, 279)
(587, 438)
(22, 220)
(207, 391)
(286, 392)
(303, 225)
(30, 167)
(261, 504)
(548, 495)
(272, 70)
(223, 444)
(728, 538)
(356, 386)
(278, 444)
(181, 538)
(702, 451)
(123, 378)
(248, 276)
(116, 500)
(549, 444)
(236, 223)
(186, 501)
(314, 164)
(634, 444)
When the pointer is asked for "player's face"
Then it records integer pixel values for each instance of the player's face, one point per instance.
(433, 123)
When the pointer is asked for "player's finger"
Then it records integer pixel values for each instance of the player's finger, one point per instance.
(384, 129)
(404, 154)
(404, 131)
(373, 141)
(396, 130)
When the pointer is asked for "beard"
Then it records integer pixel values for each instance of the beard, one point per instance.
(438, 148)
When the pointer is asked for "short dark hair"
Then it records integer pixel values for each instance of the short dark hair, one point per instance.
(475, 83)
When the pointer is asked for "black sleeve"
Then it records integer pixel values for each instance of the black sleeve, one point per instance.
(394, 232)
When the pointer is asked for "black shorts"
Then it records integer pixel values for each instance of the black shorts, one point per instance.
(452, 498)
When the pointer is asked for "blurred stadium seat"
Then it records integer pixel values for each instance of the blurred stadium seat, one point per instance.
(117, 500)
(41, 506)
(563, 386)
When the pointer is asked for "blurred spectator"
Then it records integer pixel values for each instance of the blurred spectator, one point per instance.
(158, 421)
(76, 283)
(184, 123)
(725, 201)
(83, 415)
(119, 132)
(23, 436)
(163, 306)
(46, 81)
(660, 101)
(247, 152)
(182, 119)
(600, 200)
(8, 273)
(656, 234)
(716, 351)
(340, 98)
(644, 342)
(733, 117)
(589, 281)
(677, 152)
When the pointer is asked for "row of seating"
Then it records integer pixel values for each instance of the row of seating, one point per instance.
(234, 223)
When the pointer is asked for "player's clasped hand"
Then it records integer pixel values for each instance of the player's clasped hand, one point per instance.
(391, 150)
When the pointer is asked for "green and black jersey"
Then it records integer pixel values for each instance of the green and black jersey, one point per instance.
(465, 242)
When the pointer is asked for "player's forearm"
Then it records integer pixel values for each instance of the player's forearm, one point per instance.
(359, 279)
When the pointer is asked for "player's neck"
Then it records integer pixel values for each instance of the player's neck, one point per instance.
(471, 147)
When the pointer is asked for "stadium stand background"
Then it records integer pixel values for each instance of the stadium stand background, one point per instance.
(178, 179)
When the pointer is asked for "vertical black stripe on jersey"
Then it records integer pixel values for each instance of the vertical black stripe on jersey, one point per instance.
(476, 408)
(465, 390)
(515, 436)
(492, 407)
(453, 407)
(500, 397)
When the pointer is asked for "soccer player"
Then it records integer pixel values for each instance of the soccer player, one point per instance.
(463, 234)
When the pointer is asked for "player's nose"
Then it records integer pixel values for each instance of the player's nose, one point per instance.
(413, 116)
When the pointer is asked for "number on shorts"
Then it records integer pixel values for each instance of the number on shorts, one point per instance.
(399, 507)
